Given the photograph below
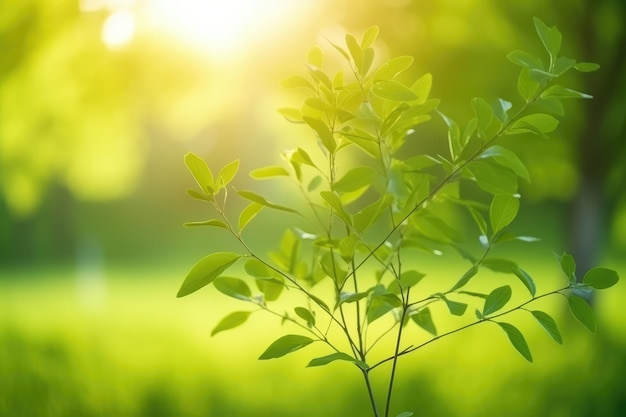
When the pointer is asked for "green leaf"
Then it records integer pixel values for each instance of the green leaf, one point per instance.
(355, 51)
(550, 37)
(296, 81)
(539, 123)
(556, 91)
(524, 59)
(258, 269)
(586, 66)
(213, 223)
(568, 265)
(494, 178)
(455, 308)
(526, 85)
(248, 214)
(337, 356)
(517, 340)
(393, 67)
(582, 312)
(252, 196)
(423, 318)
(497, 299)
(548, 323)
(335, 203)
(410, 278)
(369, 37)
(484, 114)
(315, 56)
(501, 108)
(200, 172)
(306, 315)
(600, 278)
(233, 287)
(268, 172)
(323, 132)
(380, 305)
(454, 137)
(231, 321)
(290, 114)
(206, 270)
(422, 87)
(227, 173)
(508, 159)
(368, 60)
(405, 414)
(563, 64)
(502, 211)
(469, 274)
(284, 345)
(355, 179)
(196, 195)
(271, 288)
(510, 267)
(393, 90)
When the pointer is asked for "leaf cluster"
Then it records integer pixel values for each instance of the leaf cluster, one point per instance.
(372, 205)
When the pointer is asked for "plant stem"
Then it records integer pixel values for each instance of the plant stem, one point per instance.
(392, 376)
(458, 329)
(370, 392)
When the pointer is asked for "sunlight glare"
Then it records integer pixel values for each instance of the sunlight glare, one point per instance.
(223, 26)
(118, 29)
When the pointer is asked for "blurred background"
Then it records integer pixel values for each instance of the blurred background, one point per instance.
(101, 99)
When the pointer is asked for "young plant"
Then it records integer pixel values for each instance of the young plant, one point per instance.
(372, 205)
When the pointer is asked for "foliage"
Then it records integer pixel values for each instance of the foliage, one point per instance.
(372, 204)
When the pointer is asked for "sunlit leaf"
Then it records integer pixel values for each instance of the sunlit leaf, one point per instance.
(563, 64)
(335, 203)
(600, 278)
(556, 91)
(550, 37)
(421, 87)
(212, 223)
(502, 211)
(337, 356)
(369, 37)
(227, 173)
(507, 159)
(548, 323)
(271, 288)
(315, 56)
(484, 114)
(252, 196)
(248, 214)
(355, 179)
(524, 59)
(200, 171)
(233, 287)
(297, 81)
(284, 345)
(454, 137)
(494, 178)
(501, 108)
(268, 172)
(497, 299)
(393, 90)
(517, 340)
(206, 270)
(526, 85)
(539, 123)
(355, 51)
(291, 115)
(582, 312)
(393, 67)
(406, 414)
(231, 321)
(323, 132)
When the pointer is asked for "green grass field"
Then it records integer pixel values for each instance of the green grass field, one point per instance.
(119, 343)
